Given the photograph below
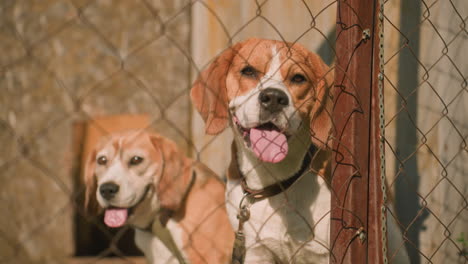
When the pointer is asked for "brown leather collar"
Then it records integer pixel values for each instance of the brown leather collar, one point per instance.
(279, 187)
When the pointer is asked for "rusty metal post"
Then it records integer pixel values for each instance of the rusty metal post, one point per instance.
(357, 232)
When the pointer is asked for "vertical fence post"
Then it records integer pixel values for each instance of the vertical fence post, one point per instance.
(358, 222)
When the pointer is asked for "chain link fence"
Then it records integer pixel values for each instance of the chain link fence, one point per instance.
(71, 66)
(425, 128)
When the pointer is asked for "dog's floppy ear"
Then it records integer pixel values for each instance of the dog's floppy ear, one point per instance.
(209, 92)
(320, 115)
(175, 173)
(90, 183)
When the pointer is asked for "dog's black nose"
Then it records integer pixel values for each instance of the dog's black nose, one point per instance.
(108, 190)
(273, 100)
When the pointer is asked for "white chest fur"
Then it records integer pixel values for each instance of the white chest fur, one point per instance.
(291, 226)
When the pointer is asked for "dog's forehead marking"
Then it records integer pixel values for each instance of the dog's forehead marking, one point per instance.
(119, 148)
(275, 64)
(132, 140)
(116, 144)
(273, 77)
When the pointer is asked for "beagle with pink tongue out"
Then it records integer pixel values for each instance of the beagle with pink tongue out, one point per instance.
(275, 96)
(141, 179)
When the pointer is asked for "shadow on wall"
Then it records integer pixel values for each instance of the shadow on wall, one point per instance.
(325, 50)
(409, 210)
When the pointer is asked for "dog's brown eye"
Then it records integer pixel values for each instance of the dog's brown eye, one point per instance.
(136, 160)
(248, 71)
(298, 78)
(102, 160)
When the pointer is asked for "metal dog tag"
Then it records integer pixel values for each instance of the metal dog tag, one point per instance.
(238, 252)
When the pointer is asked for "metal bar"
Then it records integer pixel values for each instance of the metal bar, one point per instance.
(356, 227)
(376, 218)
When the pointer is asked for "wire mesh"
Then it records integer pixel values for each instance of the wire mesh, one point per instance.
(425, 135)
(69, 63)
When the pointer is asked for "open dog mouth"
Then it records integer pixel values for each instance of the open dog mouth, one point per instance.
(117, 216)
(267, 141)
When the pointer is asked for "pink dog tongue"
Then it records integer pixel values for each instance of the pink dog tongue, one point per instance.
(269, 145)
(115, 217)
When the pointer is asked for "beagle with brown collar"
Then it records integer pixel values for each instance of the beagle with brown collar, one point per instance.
(141, 178)
(276, 98)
